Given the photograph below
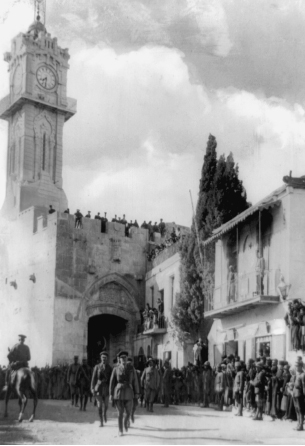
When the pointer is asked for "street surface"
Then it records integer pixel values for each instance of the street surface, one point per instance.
(59, 423)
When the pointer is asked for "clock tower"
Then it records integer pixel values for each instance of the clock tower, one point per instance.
(36, 109)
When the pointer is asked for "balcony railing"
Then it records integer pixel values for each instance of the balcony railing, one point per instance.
(242, 288)
(153, 326)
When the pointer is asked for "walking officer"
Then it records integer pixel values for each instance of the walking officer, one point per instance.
(100, 386)
(123, 388)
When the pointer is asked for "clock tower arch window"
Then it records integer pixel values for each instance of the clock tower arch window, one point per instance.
(44, 142)
(12, 158)
(44, 151)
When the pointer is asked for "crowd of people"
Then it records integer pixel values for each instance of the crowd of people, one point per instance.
(295, 320)
(263, 387)
(174, 237)
(159, 228)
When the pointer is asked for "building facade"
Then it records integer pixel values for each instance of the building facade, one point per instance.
(71, 290)
(259, 259)
(162, 286)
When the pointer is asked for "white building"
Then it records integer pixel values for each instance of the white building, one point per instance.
(248, 320)
(163, 281)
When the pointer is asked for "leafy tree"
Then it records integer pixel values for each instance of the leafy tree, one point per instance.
(221, 197)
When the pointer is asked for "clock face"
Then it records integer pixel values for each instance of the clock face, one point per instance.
(18, 75)
(46, 77)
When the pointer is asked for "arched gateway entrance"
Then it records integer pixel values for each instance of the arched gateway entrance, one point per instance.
(112, 316)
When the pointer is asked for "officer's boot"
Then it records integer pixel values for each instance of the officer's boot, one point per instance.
(81, 403)
(76, 400)
(105, 416)
(120, 425)
(255, 416)
(85, 402)
(101, 420)
(72, 399)
(126, 423)
(151, 407)
(147, 406)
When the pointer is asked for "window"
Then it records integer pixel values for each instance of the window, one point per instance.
(12, 163)
(263, 346)
(172, 290)
(152, 293)
(44, 152)
(161, 295)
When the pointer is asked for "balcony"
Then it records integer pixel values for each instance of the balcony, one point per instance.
(152, 327)
(9, 106)
(240, 294)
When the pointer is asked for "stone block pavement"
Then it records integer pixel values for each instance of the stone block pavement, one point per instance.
(59, 423)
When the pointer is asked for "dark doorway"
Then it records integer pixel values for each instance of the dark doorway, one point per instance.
(102, 330)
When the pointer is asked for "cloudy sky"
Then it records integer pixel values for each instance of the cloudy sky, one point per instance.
(154, 78)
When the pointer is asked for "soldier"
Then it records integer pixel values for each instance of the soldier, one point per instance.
(100, 386)
(104, 221)
(123, 388)
(83, 379)
(51, 210)
(259, 383)
(207, 379)
(78, 219)
(88, 215)
(123, 221)
(162, 228)
(98, 216)
(220, 386)
(150, 232)
(137, 376)
(299, 393)
(115, 219)
(18, 357)
(144, 225)
(67, 211)
(156, 227)
(239, 383)
(150, 381)
(167, 383)
(71, 380)
(136, 224)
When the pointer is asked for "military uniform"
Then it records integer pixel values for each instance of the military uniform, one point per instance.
(18, 357)
(71, 380)
(298, 397)
(150, 381)
(238, 389)
(83, 379)
(207, 379)
(100, 388)
(259, 383)
(122, 388)
(167, 386)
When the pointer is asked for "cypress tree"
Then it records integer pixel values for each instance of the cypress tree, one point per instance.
(221, 197)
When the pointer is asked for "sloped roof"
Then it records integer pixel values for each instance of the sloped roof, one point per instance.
(268, 202)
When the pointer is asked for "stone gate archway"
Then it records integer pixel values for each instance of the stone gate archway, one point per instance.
(112, 297)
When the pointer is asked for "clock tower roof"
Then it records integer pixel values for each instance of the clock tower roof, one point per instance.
(36, 28)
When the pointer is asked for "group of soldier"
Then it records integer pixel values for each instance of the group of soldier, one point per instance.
(264, 386)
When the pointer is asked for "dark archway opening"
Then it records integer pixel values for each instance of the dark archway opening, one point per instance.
(105, 332)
